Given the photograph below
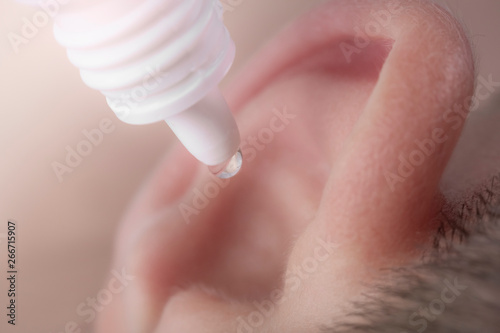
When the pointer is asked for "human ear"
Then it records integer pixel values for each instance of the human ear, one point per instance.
(360, 116)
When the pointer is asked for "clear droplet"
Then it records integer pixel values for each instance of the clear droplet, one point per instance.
(229, 168)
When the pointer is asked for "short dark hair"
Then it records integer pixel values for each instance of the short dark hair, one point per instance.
(455, 289)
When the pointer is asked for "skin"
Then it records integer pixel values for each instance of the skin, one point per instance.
(321, 179)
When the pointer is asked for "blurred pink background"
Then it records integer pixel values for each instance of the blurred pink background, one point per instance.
(66, 228)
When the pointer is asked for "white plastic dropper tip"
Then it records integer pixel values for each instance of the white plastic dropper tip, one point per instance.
(229, 168)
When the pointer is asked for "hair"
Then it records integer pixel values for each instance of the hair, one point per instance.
(455, 289)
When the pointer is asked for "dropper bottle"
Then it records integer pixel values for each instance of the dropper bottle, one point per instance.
(159, 60)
